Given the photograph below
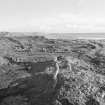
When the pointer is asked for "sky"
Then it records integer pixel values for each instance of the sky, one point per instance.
(68, 16)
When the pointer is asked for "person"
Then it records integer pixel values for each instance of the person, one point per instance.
(69, 62)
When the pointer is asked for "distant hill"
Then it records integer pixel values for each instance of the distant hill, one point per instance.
(57, 35)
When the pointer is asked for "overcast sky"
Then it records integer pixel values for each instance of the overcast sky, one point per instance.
(52, 15)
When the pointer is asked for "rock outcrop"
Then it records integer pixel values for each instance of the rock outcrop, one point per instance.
(29, 74)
